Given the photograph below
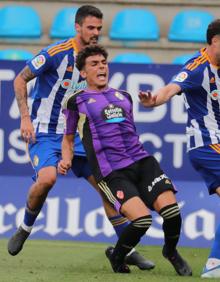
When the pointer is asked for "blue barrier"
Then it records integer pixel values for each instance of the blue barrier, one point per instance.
(73, 211)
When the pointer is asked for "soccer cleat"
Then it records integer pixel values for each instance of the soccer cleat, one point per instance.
(179, 264)
(136, 259)
(16, 242)
(212, 269)
(116, 265)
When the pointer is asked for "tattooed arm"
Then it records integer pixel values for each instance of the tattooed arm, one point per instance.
(20, 88)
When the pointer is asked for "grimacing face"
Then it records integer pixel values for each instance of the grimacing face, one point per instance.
(89, 31)
(96, 72)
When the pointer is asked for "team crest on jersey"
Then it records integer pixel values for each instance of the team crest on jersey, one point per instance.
(120, 194)
(38, 61)
(215, 95)
(36, 160)
(181, 76)
(212, 80)
(119, 95)
(91, 100)
(69, 68)
(113, 114)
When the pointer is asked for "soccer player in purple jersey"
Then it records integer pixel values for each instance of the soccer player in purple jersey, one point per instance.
(54, 69)
(128, 176)
(199, 81)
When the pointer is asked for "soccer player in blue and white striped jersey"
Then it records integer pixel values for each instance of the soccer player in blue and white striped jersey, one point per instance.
(199, 81)
(42, 123)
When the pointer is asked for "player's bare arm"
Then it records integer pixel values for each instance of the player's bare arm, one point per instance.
(20, 88)
(67, 154)
(160, 96)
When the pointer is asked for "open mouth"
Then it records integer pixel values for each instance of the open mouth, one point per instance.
(102, 76)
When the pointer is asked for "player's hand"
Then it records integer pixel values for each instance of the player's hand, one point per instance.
(27, 130)
(147, 99)
(63, 167)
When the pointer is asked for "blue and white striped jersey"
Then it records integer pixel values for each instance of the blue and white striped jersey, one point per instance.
(200, 83)
(55, 73)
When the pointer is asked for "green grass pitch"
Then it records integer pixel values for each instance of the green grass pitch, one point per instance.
(65, 261)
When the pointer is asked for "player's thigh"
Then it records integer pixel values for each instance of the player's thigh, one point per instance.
(134, 208)
(118, 189)
(206, 161)
(47, 176)
(154, 183)
(43, 155)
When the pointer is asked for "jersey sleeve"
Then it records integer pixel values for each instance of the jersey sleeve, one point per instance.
(71, 114)
(71, 118)
(40, 63)
(187, 79)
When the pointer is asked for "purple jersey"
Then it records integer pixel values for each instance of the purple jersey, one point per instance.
(106, 126)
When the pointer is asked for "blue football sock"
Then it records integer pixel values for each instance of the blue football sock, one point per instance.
(30, 216)
(119, 223)
(215, 250)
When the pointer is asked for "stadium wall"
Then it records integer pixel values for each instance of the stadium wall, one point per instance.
(161, 51)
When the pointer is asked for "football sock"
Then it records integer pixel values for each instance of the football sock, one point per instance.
(29, 218)
(215, 250)
(171, 227)
(119, 223)
(131, 236)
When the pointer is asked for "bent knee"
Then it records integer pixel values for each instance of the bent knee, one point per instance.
(46, 182)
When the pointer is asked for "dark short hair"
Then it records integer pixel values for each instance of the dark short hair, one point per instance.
(90, 50)
(213, 29)
(85, 11)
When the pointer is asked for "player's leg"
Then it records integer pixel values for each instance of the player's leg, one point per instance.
(36, 197)
(140, 221)
(130, 205)
(206, 162)
(81, 168)
(119, 223)
(160, 196)
(44, 158)
(167, 207)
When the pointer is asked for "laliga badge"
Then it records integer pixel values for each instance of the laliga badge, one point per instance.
(38, 61)
(215, 94)
(181, 76)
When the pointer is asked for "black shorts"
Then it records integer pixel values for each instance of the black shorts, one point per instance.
(144, 179)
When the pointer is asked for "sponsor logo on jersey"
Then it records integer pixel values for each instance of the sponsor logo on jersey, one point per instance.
(66, 83)
(113, 114)
(120, 194)
(157, 180)
(38, 61)
(36, 160)
(119, 95)
(215, 95)
(167, 181)
(78, 86)
(181, 76)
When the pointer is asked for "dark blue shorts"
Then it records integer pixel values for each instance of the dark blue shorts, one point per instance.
(81, 167)
(206, 160)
